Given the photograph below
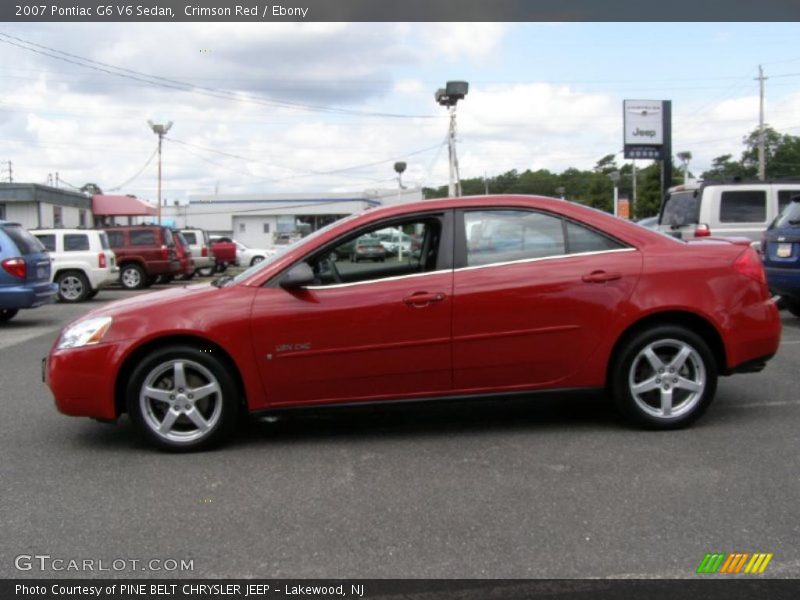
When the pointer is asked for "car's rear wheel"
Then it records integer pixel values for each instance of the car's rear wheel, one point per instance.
(6, 314)
(256, 260)
(205, 271)
(664, 377)
(183, 399)
(793, 306)
(72, 286)
(131, 277)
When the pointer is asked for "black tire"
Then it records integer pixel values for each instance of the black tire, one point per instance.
(793, 306)
(256, 260)
(688, 390)
(92, 294)
(219, 410)
(132, 277)
(72, 286)
(205, 271)
(6, 314)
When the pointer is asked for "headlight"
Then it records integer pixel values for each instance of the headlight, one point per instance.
(83, 333)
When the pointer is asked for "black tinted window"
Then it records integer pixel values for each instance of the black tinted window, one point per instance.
(48, 241)
(190, 237)
(746, 206)
(496, 236)
(143, 237)
(116, 238)
(25, 242)
(680, 208)
(75, 242)
(583, 239)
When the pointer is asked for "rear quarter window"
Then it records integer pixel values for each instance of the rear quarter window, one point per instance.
(104, 243)
(48, 241)
(116, 238)
(743, 206)
(190, 237)
(583, 239)
(24, 241)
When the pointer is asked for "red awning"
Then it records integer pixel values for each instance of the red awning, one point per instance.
(121, 206)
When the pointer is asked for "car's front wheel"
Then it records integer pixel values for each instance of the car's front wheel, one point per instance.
(664, 377)
(132, 277)
(183, 399)
(6, 314)
(72, 286)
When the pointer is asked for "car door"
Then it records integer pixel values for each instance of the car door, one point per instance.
(534, 294)
(364, 330)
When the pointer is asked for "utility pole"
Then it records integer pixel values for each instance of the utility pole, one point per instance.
(160, 131)
(449, 96)
(633, 175)
(762, 159)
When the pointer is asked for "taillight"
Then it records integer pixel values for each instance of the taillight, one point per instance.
(15, 267)
(702, 230)
(204, 251)
(164, 252)
(101, 260)
(749, 265)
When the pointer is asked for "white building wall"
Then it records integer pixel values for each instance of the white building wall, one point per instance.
(23, 213)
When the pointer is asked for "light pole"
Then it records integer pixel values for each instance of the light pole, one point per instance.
(160, 131)
(449, 97)
(685, 157)
(614, 176)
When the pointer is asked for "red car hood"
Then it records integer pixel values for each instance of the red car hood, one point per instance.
(155, 300)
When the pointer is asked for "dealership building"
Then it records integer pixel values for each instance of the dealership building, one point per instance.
(264, 220)
(41, 206)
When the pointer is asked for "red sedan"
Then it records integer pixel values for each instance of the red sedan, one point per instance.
(506, 295)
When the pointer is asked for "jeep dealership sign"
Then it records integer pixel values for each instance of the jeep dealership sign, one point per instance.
(644, 128)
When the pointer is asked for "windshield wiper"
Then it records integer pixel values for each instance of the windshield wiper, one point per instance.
(222, 281)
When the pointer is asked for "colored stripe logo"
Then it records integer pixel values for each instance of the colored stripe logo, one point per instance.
(734, 563)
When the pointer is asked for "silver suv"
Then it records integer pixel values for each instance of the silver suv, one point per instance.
(203, 256)
(82, 261)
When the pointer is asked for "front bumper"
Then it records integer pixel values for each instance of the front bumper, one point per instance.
(82, 380)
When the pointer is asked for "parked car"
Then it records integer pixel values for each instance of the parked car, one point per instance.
(780, 250)
(368, 248)
(202, 253)
(184, 252)
(394, 240)
(82, 261)
(733, 208)
(24, 271)
(143, 253)
(224, 250)
(603, 305)
(248, 257)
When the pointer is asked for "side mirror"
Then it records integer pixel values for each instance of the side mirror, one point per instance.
(298, 276)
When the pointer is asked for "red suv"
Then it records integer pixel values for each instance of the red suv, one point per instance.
(506, 295)
(143, 253)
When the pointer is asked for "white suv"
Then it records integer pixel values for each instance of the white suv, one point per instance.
(83, 261)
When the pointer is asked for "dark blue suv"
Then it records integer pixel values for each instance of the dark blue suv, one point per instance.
(781, 251)
(24, 271)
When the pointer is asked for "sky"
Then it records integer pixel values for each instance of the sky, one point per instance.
(329, 107)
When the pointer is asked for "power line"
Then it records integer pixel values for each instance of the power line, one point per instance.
(183, 86)
(134, 177)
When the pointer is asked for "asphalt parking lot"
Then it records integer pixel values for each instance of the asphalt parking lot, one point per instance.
(553, 487)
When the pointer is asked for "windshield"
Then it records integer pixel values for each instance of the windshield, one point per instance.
(680, 209)
(790, 216)
(268, 260)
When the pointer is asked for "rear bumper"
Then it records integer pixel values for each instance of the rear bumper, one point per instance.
(163, 267)
(785, 282)
(27, 296)
(753, 337)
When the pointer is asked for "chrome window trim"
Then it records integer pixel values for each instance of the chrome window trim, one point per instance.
(498, 264)
(541, 258)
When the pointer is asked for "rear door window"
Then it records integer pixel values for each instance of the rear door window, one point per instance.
(143, 237)
(497, 236)
(25, 242)
(76, 242)
(743, 206)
